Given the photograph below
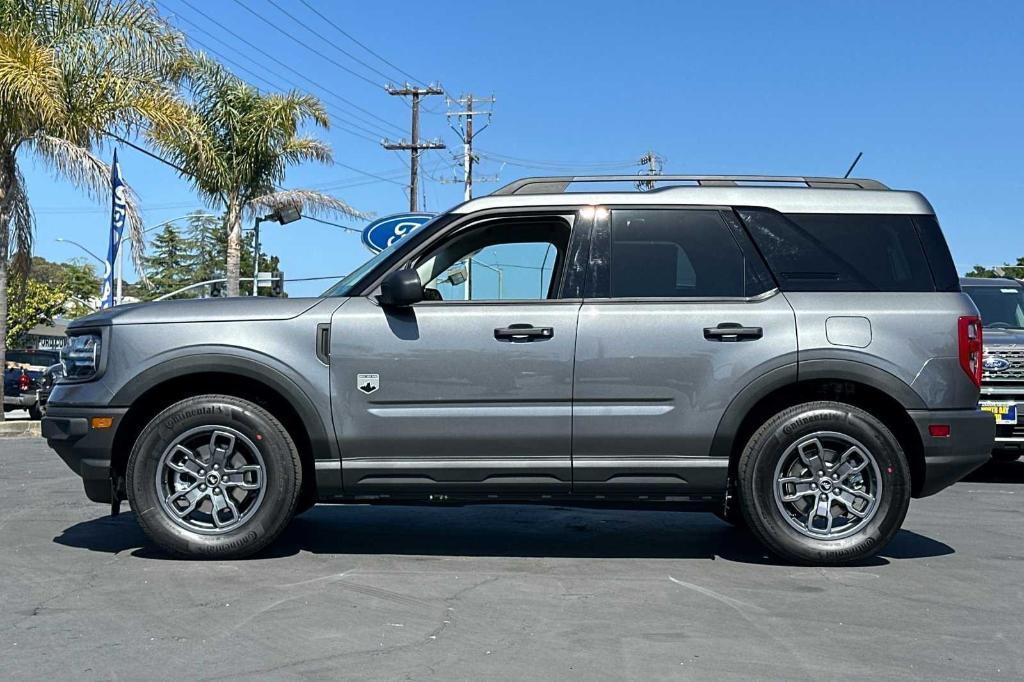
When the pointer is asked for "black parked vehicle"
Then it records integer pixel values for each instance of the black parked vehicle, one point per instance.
(51, 376)
(25, 375)
(1001, 304)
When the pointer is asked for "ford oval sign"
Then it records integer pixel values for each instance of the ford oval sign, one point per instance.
(383, 232)
(993, 363)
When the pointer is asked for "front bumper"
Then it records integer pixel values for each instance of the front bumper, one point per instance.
(87, 451)
(948, 459)
(23, 401)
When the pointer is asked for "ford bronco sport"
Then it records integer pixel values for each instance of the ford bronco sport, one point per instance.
(792, 353)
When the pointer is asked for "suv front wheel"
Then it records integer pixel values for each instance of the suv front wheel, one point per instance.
(214, 476)
(824, 483)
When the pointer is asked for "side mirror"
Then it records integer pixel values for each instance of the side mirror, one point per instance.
(401, 288)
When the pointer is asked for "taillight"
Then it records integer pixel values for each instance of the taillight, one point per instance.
(23, 382)
(969, 338)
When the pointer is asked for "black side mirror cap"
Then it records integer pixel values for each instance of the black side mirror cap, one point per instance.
(401, 288)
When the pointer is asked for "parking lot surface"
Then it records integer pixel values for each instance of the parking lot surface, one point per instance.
(504, 593)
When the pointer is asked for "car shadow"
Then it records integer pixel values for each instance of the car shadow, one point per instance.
(996, 471)
(495, 531)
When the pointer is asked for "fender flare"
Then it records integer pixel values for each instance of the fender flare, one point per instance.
(794, 374)
(201, 361)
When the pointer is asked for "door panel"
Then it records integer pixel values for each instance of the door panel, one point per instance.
(679, 317)
(456, 409)
(650, 389)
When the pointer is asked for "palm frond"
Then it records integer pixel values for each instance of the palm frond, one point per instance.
(29, 82)
(21, 228)
(300, 149)
(89, 173)
(310, 202)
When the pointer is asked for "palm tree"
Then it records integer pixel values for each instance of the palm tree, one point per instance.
(70, 72)
(239, 148)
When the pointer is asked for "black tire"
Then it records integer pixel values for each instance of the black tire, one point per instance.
(281, 482)
(35, 412)
(757, 480)
(1005, 456)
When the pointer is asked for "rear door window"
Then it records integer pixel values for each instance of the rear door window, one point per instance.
(831, 252)
(670, 253)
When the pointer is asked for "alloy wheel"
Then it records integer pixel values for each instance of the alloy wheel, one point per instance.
(827, 485)
(211, 480)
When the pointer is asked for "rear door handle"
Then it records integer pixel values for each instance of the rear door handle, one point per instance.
(523, 332)
(731, 331)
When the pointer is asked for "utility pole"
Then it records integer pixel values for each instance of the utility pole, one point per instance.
(654, 165)
(464, 129)
(414, 145)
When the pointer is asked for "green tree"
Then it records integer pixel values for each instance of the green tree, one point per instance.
(36, 303)
(238, 149)
(1014, 270)
(71, 70)
(76, 278)
(171, 265)
(209, 242)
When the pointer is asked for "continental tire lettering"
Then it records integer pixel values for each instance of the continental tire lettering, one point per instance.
(230, 545)
(805, 420)
(176, 419)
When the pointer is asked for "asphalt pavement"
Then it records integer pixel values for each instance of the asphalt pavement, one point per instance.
(503, 593)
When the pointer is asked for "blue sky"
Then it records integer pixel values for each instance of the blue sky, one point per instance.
(929, 91)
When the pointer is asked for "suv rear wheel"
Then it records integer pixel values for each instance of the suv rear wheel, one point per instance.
(214, 476)
(824, 483)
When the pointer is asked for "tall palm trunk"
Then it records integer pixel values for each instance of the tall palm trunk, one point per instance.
(234, 266)
(7, 171)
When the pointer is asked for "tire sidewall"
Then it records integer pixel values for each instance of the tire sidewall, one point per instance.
(279, 476)
(763, 512)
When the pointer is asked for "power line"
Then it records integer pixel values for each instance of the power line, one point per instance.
(328, 222)
(654, 165)
(465, 132)
(303, 44)
(349, 36)
(341, 126)
(273, 85)
(369, 174)
(283, 64)
(328, 42)
(414, 146)
(186, 173)
(534, 163)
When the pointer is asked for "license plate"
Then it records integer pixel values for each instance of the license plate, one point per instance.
(1004, 414)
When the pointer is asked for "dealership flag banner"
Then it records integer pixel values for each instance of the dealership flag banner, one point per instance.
(116, 229)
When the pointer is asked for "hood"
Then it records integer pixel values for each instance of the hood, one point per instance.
(238, 309)
(1002, 337)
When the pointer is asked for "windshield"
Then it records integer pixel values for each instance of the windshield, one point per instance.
(33, 358)
(1000, 307)
(345, 286)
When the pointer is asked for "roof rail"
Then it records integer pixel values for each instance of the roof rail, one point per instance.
(557, 185)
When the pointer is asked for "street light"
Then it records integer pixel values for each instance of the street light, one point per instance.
(71, 241)
(283, 216)
(120, 251)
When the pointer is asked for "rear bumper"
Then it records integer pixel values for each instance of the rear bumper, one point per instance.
(87, 451)
(23, 401)
(949, 459)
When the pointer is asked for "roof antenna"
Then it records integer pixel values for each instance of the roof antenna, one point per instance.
(853, 165)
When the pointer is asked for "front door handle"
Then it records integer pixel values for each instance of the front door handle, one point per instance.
(731, 331)
(523, 332)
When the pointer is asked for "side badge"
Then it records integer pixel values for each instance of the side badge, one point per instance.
(367, 383)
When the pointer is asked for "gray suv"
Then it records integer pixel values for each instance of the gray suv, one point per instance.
(792, 353)
(1001, 302)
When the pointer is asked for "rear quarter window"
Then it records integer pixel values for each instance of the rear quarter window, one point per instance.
(833, 252)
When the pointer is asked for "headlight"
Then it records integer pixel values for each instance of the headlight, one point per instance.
(80, 358)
